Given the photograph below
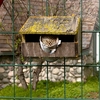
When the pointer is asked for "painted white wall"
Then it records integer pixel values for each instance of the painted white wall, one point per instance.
(97, 49)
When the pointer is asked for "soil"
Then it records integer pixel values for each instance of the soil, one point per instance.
(93, 95)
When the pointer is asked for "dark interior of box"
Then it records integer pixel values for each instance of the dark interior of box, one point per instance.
(35, 38)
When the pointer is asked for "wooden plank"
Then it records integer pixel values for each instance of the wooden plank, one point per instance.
(5, 41)
(5, 36)
(5, 49)
(66, 49)
(4, 45)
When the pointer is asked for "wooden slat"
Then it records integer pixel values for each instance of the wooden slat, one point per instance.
(34, 50)
(5, 37)
(5, 49)
(4, 45)
(5, 41)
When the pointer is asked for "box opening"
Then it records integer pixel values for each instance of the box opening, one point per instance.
(35, 38)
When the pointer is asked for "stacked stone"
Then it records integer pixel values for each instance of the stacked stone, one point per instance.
(72, 74)
(56, 72)
(4, 77)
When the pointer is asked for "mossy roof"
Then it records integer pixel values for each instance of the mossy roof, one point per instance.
(55, 25)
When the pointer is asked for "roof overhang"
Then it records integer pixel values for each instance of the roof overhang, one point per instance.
(52, 25)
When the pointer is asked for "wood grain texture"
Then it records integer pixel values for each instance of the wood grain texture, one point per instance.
(34, 50)
(5, 42)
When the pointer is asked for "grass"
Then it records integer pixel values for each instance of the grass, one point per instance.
(89, 89)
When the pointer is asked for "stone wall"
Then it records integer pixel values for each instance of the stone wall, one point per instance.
(73, 73)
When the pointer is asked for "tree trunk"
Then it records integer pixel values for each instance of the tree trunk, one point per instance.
(19, 61)
(37, 71)
(21, 74)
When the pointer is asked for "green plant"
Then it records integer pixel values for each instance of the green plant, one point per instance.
(56, 89)
(0, 24)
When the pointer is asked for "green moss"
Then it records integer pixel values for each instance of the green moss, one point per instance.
(17, 43)
(0, 24)
(17, 48)
(50, 25)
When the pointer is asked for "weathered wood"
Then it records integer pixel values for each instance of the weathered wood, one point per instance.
(5, 36)
(51, 25)
(34, 50)
(5, 50)
(5, 43)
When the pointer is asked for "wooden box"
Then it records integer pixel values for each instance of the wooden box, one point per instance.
(66, 28)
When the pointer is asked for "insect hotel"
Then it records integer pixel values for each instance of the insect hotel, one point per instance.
(54, 36)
